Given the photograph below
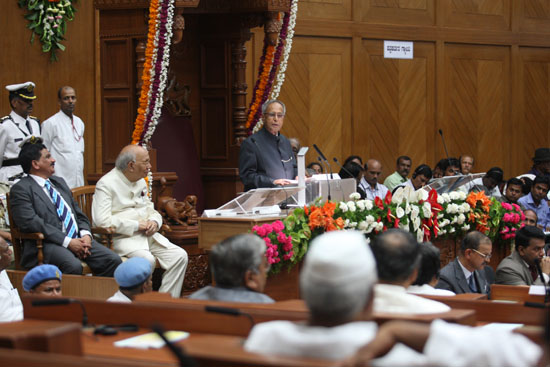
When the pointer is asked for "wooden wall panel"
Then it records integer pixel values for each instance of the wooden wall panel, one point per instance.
(533, 100)
(477, 104)
(22, 61)
(325, 9)
(534, 15)
(395, 105)
(486, 14)
(399, 11)
(318, 97)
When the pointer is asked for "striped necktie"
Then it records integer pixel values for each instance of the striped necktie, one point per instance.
(63, 211)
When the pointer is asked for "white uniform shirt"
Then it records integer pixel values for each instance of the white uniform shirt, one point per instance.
(67, 146)
(13, 131)
(429, 290)
(11, 308)
(119, 297)
(391, 298)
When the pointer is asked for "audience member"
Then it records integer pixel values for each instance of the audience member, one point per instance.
(42, 202)
(239, 267)
(531, 218)
(428, 273)
(536, 200)
(527, 180)
(513, 191)
(43, 280)
(369, 183)
(451, 167)
(63, 134)
(402, 169)
(295, 145)
(489, 183)
(420, 177)
(315, 167)
(466, 274)
(134, 276)
(519, 268)
(134, 218)
(466, 164)
(541, 163)
(266, 158)
(11, 308)
(439, 168)
(354, 158)
(397, 257)
(353, 170)
(16, 127)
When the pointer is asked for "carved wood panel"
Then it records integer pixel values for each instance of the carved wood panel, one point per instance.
(117, 127)
(325, 9)
(476, 104)
(394, 110)
(399, 11)
(486, 14)
(317, 95)
(214, 130)
(534, 15)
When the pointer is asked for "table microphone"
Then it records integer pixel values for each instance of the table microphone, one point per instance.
(324, 159)
(185, 360)
(62, 301)
(229, 311)
(445, 146)
(326, 175)
(342, 167)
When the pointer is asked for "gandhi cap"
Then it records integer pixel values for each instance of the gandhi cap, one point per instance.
(133, 272)
(40, 274)
(23, 90)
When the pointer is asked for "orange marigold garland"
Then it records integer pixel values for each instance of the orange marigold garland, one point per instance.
(480, 207)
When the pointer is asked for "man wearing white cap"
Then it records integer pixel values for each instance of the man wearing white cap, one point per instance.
(15, 128)
(133, 277)
(63, 134)
(337, 283)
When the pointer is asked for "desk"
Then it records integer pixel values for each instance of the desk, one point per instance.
(517, 293)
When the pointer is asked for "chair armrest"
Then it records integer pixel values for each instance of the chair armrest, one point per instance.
(103, 230)
(165, 228)
(31, 236)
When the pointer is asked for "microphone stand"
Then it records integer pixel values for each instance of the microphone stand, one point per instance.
(326, 175)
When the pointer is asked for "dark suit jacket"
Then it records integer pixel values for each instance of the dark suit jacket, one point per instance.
(512, 270)
(452, 278)
(33, 211)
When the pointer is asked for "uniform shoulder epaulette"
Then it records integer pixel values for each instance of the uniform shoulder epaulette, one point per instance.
(35, 118)
(2, 119)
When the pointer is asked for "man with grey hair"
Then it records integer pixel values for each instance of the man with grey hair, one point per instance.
(121, 201)
(266, 158)
(239, 267)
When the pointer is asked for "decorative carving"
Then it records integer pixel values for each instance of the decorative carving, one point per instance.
(272, 27)
(140, 61)
(176, 96)
(179, 26)
(198, 273)
(238, 89)
(181, 214)
(136, 4)
(244, 5)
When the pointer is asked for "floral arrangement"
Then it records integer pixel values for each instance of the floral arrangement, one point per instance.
(48, 20)
(269, 64)
(277, 243)
(479, 214)
(425, 214)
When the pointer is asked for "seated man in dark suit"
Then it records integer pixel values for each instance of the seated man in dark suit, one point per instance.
(41, 202)
(519, 268)
(466, 274)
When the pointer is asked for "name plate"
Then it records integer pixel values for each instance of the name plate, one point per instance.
(398, 50)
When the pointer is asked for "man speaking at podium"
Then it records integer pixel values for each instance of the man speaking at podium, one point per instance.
(266, 158)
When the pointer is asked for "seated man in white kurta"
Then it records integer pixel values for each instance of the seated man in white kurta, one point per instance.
(121, 201)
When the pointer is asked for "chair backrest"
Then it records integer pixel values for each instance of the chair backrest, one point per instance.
(83, 196)
(16, 240)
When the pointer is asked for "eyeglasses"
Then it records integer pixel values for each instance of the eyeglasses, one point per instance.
(486, 257)
(273, 114)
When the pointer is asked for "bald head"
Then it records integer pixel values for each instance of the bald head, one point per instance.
(133, 161)
(373, 172)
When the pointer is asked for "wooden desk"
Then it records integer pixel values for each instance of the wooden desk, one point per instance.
(517, 293)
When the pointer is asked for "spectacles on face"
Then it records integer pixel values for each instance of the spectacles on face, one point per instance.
(486, 257)
(273, 114)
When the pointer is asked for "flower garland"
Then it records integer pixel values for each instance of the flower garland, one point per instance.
(479, 215)
(155, 70)
(277, 243)
(268, 70)
(48, 20)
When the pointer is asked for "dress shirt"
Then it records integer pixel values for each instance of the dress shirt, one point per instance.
(42, 183)
(395, 299)
(378, 191)
(11, 308)
(429, 290)
(394, 180)
(542, 210)
(119, 297)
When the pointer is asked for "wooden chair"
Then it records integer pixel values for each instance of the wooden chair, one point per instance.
(83, 196)
(17, 239)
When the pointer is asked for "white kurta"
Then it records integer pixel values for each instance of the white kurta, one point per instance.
(429, 290)
(448, 344)
(395, 299)
(12, 133)
(66, 146)
(119, 297)
(11, 308)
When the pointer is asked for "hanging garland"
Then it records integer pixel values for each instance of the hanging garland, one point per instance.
(48, 20)
(268, 70)
(155, 70)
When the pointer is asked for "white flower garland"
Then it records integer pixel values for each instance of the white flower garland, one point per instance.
(280, 78)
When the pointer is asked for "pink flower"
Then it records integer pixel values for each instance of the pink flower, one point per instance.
(278, 226)
(516, 218)
(507, 217)
(281, 237)
(507, 206)
(516, 206)
(513, 229)
(260, 231)
(522, 225)
(268, 228)
(522, 216)
(267, 241)
(505, 230)
(287, 256)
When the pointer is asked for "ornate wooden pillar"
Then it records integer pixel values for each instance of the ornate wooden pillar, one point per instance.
(238, 88)
(140, 61)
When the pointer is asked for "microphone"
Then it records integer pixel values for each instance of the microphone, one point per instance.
(319, 152)
(328, 168)
(342, 167)
(185, 361)
(62, 301)
(546, 286)
(229, 311)
(445, 147)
